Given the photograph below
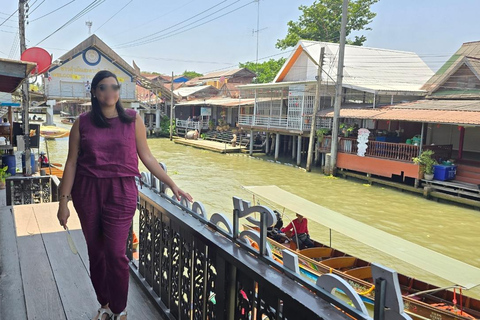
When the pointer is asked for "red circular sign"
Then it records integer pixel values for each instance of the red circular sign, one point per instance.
(40, 56)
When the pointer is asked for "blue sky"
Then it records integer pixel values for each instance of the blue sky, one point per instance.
(432, 28)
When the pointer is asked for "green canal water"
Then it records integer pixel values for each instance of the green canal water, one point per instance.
(214, 178)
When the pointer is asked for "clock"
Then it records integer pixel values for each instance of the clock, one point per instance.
(91, 57)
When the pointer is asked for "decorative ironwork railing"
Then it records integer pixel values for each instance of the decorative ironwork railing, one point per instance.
(31, 190)
(198, 267)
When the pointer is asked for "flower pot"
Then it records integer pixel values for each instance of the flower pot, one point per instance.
(428, 176)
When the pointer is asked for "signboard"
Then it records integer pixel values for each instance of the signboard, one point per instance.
(206, 111)
(72, 79)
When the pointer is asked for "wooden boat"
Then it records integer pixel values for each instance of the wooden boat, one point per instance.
(421, 300)
(52, 132)
(68, 120)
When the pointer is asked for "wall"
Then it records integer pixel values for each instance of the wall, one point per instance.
(449, 134)
(72, 79)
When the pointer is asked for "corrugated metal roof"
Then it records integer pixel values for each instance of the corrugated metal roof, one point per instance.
(218, 74)
(430, 111)
(186, 91)
(223, 102)
(368, 69)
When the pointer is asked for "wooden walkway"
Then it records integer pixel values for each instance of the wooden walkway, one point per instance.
(40, 276)
(215, 146)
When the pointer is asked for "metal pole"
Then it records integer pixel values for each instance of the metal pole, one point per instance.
(338, 90)
(25, 96)
(315, 110)
(171, 110)
(420, 146)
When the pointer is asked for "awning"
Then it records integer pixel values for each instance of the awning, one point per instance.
(12, 73)
(457, 272)
(428, 111)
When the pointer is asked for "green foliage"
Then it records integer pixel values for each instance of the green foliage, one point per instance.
(191, 74)
(4, 174)
(266, 71)
(425, 161)
(322, 22)
(322, 132)
(165, 127)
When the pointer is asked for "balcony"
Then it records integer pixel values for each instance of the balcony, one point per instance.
(188, 265)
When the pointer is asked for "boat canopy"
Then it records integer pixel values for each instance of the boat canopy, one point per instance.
(455, 271)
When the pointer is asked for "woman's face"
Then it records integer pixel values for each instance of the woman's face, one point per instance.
(107, 92)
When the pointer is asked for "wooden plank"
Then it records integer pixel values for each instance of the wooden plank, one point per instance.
(41, 294)
(73, 282)
(138, 305)
(12, 302)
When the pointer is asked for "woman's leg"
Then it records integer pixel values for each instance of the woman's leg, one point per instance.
(117, 219)
(86, 196)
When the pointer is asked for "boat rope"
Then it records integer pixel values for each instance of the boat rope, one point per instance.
(367, 291)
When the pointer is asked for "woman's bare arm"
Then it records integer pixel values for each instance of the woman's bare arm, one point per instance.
(69, 173)
(150, 162)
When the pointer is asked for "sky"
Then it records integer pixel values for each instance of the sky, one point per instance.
(434, 29)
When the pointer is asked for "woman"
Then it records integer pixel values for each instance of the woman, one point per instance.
(100, 176)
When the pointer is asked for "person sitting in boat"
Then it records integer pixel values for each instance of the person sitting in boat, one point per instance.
(43, 160)
(299, 229)
(274, 231)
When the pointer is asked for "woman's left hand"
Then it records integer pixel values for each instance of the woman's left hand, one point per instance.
(179, 193)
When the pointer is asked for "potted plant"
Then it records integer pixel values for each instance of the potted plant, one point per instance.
(3, 175)
(321, 133)
(426, 163)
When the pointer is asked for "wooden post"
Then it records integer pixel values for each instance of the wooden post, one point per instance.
(251, 143)
(294, 148)
(267, 143)
(460, 143)
(313, 128)
(299, 151)
(277, 145)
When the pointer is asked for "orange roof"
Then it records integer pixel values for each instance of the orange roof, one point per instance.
(418, 111)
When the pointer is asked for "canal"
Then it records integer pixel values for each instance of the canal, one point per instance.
(214, 178)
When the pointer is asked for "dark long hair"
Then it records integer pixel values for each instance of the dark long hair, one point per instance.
(96, 114)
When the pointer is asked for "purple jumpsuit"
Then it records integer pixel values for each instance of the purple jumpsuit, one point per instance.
(104, 195)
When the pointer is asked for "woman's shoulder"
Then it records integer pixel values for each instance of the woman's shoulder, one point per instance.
(84, 114)
(131, 112)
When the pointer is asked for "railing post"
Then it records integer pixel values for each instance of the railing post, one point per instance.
(380, 291)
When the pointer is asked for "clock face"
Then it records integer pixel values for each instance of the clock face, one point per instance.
(92, 57)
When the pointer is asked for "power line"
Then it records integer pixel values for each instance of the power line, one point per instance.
(33, 10)
(83, 12)
(113, 16)
(1, 24)
(168, 35)
(150, 35)
(55, 10)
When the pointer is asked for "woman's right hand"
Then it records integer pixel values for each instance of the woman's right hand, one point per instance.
(63, 214)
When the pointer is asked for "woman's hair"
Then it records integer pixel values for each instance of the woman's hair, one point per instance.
(96, 114)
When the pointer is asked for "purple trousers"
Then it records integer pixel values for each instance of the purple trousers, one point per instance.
(106, 207)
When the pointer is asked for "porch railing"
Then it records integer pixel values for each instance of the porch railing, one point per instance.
(195, 267)
(193, 125)
(387, 150)
(299, 123)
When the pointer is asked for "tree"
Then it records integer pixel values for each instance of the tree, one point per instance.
(191, 74)
(266, 71)
(322, 22)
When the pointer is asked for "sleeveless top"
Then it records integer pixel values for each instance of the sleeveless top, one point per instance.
(107, 152)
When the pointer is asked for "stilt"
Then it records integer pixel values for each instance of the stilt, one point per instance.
(277, 145)
(299, 151)
(251, 143)
(294, 148)
(267, 143)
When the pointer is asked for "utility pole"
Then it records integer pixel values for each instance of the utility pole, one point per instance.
(311, 141)
(25, 96)
(332, 168)
(171, 110)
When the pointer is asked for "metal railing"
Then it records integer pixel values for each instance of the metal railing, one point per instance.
(300, 123)
(31, 190)
(387, 150)
(189, 124)
(195, 267)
